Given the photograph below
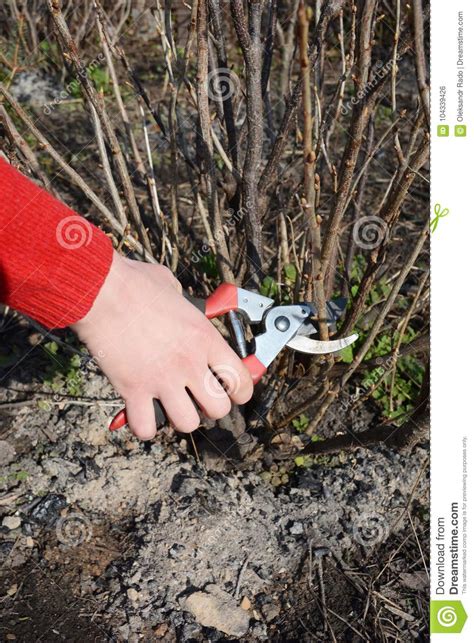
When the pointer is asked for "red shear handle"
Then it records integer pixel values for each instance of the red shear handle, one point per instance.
(120, 419)
(224, 299)
(255, 367)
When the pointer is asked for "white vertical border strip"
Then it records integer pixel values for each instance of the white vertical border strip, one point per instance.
(452, 308)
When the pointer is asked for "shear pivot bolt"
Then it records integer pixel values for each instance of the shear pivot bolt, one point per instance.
(282, 323)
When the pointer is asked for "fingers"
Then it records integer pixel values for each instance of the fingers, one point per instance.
(211, 396)
(141, 416)
(228, 367)
(180, 410)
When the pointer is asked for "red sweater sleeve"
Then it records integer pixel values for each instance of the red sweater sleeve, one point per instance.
(52, 261)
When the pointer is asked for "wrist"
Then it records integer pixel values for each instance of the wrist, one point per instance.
(109, 299)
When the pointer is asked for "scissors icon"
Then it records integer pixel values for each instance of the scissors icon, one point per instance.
(439, 214)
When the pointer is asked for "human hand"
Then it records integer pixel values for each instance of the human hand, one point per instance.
(152, 343)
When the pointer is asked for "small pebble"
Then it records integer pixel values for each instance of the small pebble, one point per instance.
(245, 604)
(161, 630)
(132, 594)
(11, 522)
(297, 529)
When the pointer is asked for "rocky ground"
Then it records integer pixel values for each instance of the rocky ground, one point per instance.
(105, 538)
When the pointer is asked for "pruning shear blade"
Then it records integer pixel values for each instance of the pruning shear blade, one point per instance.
(317, 347)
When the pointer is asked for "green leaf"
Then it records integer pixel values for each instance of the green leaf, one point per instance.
(384, 288)
(100, 77)
(301, 422)
(75, 361)
(347, 354)
(269, 287)
(290, 272)
(208, 265)
(57, 385)
(51, 347)
(299, 460)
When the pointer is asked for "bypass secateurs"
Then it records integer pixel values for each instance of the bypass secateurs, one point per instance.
(290, 325)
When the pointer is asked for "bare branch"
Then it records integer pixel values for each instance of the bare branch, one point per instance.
(250, 41)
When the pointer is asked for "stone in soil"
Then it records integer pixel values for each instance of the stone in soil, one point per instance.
(218, 609)
(11, 522)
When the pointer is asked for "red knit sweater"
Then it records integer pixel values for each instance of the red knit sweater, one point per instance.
(52, 261)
